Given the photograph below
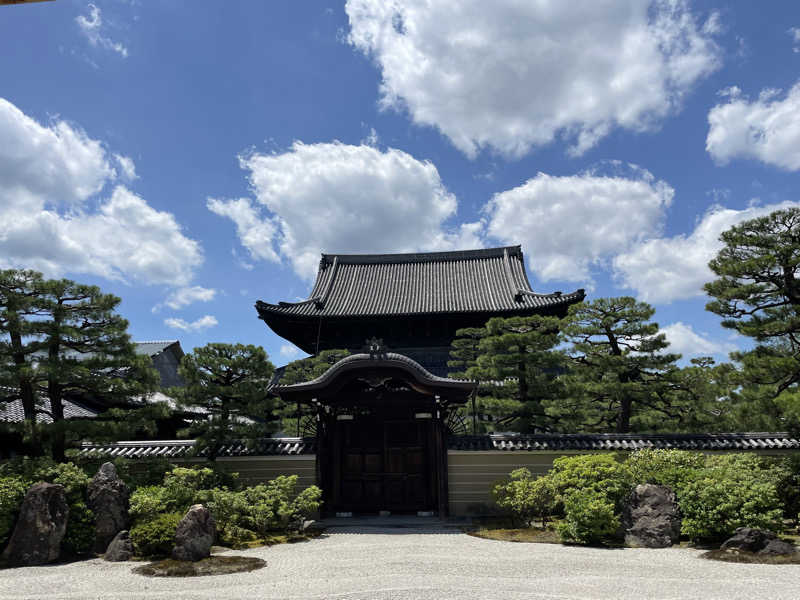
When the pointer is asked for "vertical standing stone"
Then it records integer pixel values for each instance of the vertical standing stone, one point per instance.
(109, 499)
(40, 527)
(195, 534)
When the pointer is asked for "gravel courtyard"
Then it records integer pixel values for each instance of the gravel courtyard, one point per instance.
(376, 564)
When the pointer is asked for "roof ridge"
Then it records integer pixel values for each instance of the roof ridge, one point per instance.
(410, 257)
(156, 342)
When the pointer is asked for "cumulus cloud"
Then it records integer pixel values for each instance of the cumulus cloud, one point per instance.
(510, 75)
(567, 225)
(765, 129)
(48, 174)
(686, 341)
(91, 26)
(187, 295)
(795, 33)
(198, 325)
(334, 197)
(126, 166)
(289, 351)
(673, 268)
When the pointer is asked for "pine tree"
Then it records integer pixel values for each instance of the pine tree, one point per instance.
(20, 305)
(65, 340)
(518, 356)
(618, 369)
(229, 383)
(757, 293)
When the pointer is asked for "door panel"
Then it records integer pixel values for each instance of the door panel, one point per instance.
(384, 465)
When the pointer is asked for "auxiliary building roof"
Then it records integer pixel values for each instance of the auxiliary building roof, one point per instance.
(592, 442)
(487, 280)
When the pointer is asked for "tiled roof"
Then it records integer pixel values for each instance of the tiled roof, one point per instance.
(506, 443)
(625, 441)
(183, 448)
(489, 280)
(12, 412)
(154, 347)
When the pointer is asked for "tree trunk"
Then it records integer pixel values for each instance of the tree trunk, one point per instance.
(624, 416)
(33, 446)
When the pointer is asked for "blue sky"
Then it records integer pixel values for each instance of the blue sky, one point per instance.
(194, 157)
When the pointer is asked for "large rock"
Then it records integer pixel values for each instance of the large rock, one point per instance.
(757, 541)
(195, 534)
(40, 526)
(109, 499)
(650, 517)
(120, 548)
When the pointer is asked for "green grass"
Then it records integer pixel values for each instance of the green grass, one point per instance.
(527, 535)
(753, 559)
(213, 565)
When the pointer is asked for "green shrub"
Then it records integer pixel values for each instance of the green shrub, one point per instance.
(601, 473)
(230, 511)
(525, 497)
(734, 490)
(12, 491)
(673, 468)
(276, 506)
(79, 537)
(789, 486)
(155, 537)
(589, 517)
(149, 501)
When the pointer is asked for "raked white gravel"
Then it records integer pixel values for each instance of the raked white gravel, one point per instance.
(414, 564)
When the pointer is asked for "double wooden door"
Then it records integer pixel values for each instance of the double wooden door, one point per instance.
(384, 465)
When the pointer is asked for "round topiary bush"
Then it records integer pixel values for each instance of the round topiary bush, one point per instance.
(155, 537)
(589, 517)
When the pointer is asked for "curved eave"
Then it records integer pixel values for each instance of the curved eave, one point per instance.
(356, 362)
(287, 309)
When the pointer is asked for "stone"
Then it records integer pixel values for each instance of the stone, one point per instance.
(121, 547)
(778, 548)
(195, 534)
(756, 541)
(40, 527)
(109, 499)
(650, 517)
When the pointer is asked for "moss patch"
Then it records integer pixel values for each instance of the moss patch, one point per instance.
(213, 565)
(751, 558)
(535, 535)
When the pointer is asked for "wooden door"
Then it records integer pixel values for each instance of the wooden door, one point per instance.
(384, 465)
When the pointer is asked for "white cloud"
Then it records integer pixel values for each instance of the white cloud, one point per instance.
(48, 174)
(91, 25)
(795, 33)
(255, 233)
(569, 224)
(510, 75)
(673, 268)
(289, 351)
(127, 167)
(334, 197)
(685, 340)
(187, 295)
(198, 325)
(766, 129)
(47, 164)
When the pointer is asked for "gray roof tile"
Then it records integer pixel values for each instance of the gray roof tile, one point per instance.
(505, 443)
(488, 280)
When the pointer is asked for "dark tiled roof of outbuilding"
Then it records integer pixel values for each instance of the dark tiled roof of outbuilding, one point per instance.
(183, 448)
(487, 280)
(154, 347)
(505, 443)
(12, 412)
(624, 441)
